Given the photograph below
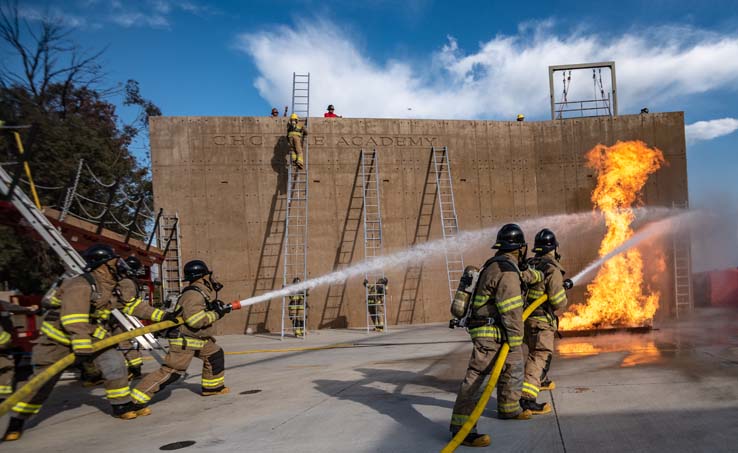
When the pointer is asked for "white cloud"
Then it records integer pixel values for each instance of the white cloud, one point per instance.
(506, 75)
(707, 130)
(136, 19)
(53, 14)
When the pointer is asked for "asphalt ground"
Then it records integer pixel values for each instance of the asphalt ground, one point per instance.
(672, 389)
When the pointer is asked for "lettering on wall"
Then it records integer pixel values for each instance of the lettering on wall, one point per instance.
(341, 141)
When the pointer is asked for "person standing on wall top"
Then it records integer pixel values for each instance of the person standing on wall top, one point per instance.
(330, 114)
(275, 112)
(296, 135)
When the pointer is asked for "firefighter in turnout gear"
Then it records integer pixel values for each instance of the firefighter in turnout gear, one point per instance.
(200, 309)
(296, 134)
(78, 318)
(497, 317)
(130, 293)
(376, 294)
(7, 362)
(541, 326)
(297, 310)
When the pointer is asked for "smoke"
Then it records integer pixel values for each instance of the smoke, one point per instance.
(715, 243)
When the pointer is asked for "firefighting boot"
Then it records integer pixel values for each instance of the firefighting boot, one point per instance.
(534, 407)
(548, 384)
(15, 429)
(126, 411)
(142, 410)
(476, 440)
(219, 391)
(299, 163)
(525, 415)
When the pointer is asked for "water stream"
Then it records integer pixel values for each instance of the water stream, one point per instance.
(469, 240)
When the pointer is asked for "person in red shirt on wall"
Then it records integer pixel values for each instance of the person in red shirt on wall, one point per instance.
(330, 114)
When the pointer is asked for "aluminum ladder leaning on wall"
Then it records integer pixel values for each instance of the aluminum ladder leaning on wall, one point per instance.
(296, 219)
(375, 288)
(683, 300)
(449, 221)
(171, 267)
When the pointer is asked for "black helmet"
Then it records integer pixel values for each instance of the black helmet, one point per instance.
(545, 242)
(296, 280)
(135, 266)
(195, 270)
(383, 281)
(510, 237)
(98, 254)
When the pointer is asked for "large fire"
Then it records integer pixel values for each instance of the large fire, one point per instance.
(616, 295)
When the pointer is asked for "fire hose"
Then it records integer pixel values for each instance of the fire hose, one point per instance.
(493, 378)
(40, 379)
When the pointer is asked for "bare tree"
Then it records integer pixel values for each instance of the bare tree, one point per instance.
(45, 56)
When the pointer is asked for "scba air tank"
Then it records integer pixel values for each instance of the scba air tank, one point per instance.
(467, 284)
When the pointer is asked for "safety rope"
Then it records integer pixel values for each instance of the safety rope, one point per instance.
(494, 377)
(97, 180)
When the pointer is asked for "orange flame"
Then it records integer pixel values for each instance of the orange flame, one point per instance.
(616, 296)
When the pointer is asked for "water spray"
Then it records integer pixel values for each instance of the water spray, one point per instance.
(464, 242)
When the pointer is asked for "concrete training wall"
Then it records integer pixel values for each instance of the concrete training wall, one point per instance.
(226, 177)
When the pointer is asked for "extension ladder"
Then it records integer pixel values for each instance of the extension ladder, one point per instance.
(449, 221)
(171, 267)
(374, 283)
(296, 218)
(72, 260)
(683, 300)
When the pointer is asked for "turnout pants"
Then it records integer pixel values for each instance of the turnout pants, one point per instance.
(110, 362)
(480, 365)
(376, 313)
(539, 336)
(296, 147)
(181, 352)
(296, 310)
(7, 373)
(133, 356)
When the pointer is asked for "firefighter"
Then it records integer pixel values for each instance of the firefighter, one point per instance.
(200, 309)
(376, 294)
(541, 326)
(497, 317)
(74, 327)
(7, 362)
(296, 310)
(295, 136)
(130, 293)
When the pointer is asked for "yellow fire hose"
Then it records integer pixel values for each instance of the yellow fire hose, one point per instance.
(482, 403)
(37, 381)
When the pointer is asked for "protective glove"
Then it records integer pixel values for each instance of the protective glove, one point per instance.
(568, 284)
(221, 308)
(523, 266)
(170, 316)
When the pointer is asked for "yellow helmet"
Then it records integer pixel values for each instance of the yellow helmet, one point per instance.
(521, 117)
(294, 116)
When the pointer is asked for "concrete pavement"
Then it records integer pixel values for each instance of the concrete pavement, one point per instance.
(673, 389)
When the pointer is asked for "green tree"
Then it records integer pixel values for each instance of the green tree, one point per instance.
(55, 85)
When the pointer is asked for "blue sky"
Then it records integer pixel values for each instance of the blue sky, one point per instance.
(431, 59)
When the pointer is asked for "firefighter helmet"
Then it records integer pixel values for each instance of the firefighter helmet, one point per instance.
(135, 266)
(545, 241)
(294, 116)
(195, 270)
(521, 117)
(296, 280)
(98, 254)
(510, 237)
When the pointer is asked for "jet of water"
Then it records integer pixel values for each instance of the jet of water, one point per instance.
(650, 231)
(464, 242)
